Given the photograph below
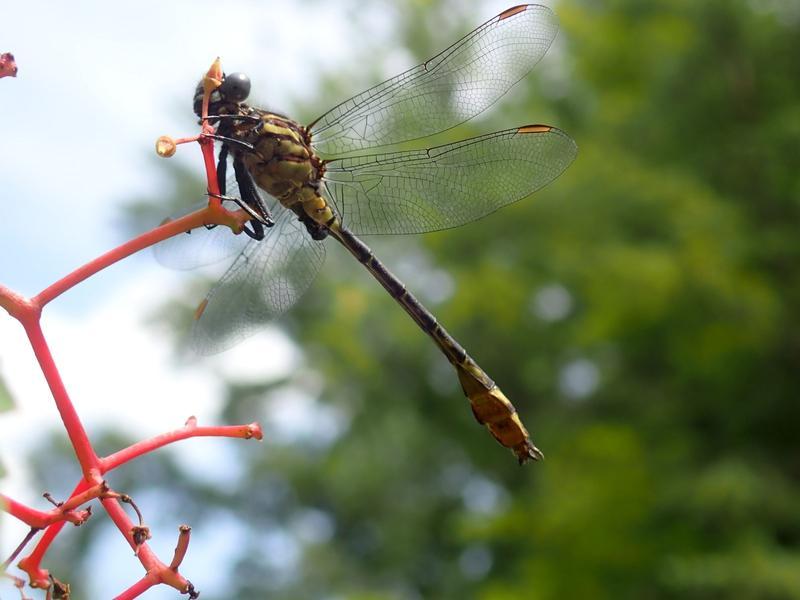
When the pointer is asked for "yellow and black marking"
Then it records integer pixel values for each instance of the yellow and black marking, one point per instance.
(283, 164)
(281, 161)
(489, 405)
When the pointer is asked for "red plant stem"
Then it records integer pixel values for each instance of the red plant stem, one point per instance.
(167, 230)
(39, 519)
(181, 547)
(84, 492)
(207, 148)
(85, 496)
(77, 434)
(138, 588)
(125, 525)
(29, 516)
(14, 303)
(157, 570)
(28, 313)
(186, 140)
(31, 563)
(190, 430)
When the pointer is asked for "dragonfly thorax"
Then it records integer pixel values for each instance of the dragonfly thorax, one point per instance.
(283, 163)
(275, 150)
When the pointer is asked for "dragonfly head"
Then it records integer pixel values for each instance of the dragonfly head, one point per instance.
(226, 98)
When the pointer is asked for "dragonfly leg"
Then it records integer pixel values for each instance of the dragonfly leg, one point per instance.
(257, 221)
(244, 206)
(249, 193)
(229, 140)
(255, 231)
(222, 169)
(250, 202)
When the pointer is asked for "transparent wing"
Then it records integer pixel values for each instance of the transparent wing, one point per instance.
(446, 186)
(201, 246)
(265, 280)
(449, 89)
(198, 247)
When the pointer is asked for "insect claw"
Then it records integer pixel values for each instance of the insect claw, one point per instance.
(263, 219)
(256, 233)
(231, 141)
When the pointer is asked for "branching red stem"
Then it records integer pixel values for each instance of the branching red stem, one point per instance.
(39, 519)
(167, 230)
(31, 564)
(154, 567)
(253, 430)
(138, 588)
(77, 434)
(91, 486)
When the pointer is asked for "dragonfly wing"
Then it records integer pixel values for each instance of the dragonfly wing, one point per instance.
(199, 247)
(452, 87)
(265, 280)
(446, 186)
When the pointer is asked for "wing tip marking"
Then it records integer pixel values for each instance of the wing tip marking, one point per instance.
(534, 129)
(201, 308)
(510, 12)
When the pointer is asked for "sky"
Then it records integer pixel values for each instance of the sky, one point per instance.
(98, 82)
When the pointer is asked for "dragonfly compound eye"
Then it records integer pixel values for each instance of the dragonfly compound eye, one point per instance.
(235, 87)
(197, 100)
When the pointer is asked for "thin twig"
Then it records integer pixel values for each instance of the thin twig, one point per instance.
(6, 563)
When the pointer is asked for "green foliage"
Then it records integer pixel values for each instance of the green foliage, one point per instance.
(6, 401)
(674, 239)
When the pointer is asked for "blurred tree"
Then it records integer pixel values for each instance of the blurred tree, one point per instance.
(6, 401)
(643, 317)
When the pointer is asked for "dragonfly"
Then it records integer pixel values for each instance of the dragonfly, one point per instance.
(302, 184)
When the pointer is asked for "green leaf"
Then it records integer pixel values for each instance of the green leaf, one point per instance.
(6, 401)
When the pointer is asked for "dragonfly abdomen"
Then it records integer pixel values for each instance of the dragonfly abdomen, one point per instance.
(397, 290)
(489, 405)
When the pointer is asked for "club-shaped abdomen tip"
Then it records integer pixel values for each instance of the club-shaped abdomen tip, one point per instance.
(527, 451)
